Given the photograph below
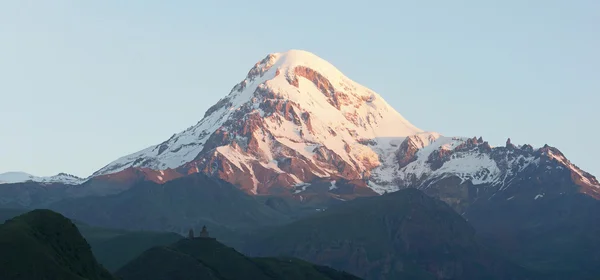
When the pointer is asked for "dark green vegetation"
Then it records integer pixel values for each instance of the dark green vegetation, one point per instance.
(113, 248)
(209, 259)
(402, 235)
(45, 245)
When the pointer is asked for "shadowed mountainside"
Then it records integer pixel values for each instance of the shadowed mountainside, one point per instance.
(204, 258)
(402, 235)
(112, 248)
(176, 206)
(42, 244)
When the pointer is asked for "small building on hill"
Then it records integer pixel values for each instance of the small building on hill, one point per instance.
(203, 234)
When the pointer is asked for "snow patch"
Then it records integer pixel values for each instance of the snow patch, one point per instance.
(301, 187)
(21, 177)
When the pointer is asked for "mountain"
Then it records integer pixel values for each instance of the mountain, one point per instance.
(22, 190)
(557, 235)
(206, 258)
(175, 206)
(40, 193)
(293, 119)
(402, 235)
(461, 171)
(112, 248)
(19, 177)
(297, 137)
(296, 120)
(45, 245)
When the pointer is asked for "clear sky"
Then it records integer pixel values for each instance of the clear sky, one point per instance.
(85, 82)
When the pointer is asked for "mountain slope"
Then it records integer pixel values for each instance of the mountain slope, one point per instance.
(112, 248)
(556, 234)
(463, 170)
(293, 119)
(20, 177)
(208, 259)
(44, 245)
(37, 194)
(176, 206)
(403, 235)
(296, 119)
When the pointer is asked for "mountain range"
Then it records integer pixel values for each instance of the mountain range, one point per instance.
(296, 139)
(296, 119)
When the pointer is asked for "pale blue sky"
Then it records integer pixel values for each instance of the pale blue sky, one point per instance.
(85, 82)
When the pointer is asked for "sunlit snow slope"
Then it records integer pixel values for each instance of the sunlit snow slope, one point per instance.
(304, 104)
(296, 119)
(19, 177)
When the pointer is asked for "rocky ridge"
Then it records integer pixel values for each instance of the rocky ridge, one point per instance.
(19, 177)
(296, 120)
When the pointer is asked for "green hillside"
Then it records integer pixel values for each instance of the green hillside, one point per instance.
(209, 259)
(42, 244)
(112, 248)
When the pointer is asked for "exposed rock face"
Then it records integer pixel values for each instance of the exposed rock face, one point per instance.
(407, 152)
(461, 171)
(295, 120)
(132, 175)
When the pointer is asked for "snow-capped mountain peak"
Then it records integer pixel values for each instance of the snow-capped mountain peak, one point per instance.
(20, 177)
(296, 119)
(291, 104)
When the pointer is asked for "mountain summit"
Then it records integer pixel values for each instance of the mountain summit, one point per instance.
(301, 137)
(297, 125)
(295, 118)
